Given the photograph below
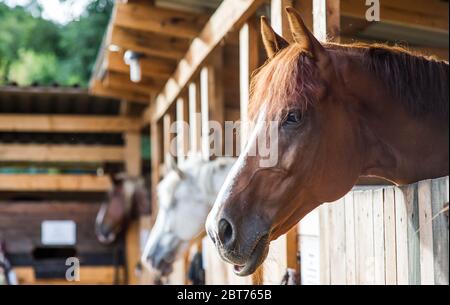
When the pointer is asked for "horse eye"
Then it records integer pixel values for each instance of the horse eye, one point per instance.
(293, 117)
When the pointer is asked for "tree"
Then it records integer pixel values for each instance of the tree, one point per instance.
(36, 50)
(81, 39)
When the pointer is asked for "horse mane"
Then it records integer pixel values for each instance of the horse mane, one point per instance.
(290, 79)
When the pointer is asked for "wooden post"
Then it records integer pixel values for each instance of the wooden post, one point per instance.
(194, 117)
(156, 144)
(133, 168)
(182, 132)
(248, 62)
(168, 146)
(182, 117)
(212, 101)
(326, 20)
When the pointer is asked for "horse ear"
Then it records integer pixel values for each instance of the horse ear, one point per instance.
(273, 42)
(302, 36)
(171, 164)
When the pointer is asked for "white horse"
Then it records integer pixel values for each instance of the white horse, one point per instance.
(185, 197)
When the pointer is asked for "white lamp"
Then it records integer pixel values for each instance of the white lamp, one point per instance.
(131, 58)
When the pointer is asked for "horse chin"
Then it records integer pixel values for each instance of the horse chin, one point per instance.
(165, 268)
(257, 257)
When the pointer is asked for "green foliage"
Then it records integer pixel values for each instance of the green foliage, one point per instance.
(35, 67)
(36, 50)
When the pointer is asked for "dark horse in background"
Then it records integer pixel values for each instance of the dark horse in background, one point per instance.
(342, 112)
(127, 199)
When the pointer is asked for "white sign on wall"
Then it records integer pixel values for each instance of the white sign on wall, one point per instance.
(58, 232)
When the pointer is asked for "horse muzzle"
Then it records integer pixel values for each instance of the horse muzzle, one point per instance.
(245, 247)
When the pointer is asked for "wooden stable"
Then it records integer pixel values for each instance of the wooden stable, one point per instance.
(58, 147)
(197, 58)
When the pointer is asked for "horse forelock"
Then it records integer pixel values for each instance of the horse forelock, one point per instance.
(283, 82)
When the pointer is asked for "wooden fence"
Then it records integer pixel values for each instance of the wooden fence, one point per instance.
(387, 235)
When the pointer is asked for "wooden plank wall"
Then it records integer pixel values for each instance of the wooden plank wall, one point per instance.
(387, 235)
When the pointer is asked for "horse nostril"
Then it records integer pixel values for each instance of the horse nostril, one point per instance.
(225, 232)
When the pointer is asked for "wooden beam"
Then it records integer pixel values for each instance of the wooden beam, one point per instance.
(99, 89)
(230, 15)
(430, 15)
(54, 183)
(156, 68)
(159, 20)
(121, 81)
(66, 123)
(60, 153)
(149, 43)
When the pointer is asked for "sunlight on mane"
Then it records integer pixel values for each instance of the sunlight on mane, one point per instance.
(285, 81)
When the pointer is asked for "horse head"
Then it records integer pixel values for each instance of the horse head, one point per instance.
(127, 198)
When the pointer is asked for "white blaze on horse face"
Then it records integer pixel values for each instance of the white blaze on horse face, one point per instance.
(249, 150)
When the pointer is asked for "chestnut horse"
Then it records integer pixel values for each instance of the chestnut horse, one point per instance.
(343, 111)
(127, 199)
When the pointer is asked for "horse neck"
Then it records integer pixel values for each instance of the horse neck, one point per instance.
(211, 175)
(404, 146)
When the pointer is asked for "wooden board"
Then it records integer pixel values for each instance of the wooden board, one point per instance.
(60, 183)
(337, 243)
(430, 15)
(439, 198)
(426, 233)
(390, 236)
(378, 236)
(89, 275)
(350, 249)
(66, 123)
(97, 88)
(401, 227)
(324, 244)
(365, 260)
(275, 265)
(148, 18)
(216, 270)
(60, 153)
